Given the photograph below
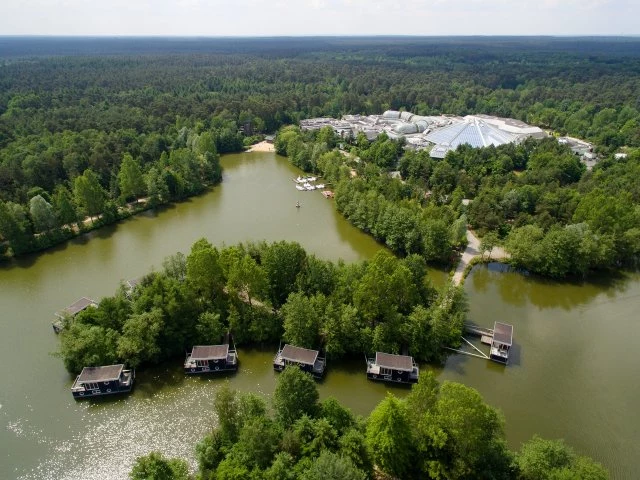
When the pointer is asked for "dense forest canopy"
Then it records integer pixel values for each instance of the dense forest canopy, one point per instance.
(72, 111)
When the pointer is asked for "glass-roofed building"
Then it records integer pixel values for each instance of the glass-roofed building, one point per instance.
(472, 131)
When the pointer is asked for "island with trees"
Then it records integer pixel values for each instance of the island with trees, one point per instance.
(262, 293)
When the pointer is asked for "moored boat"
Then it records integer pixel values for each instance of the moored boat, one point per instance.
(103, 380)
(388, 367)
(307, 360)
(211, 359)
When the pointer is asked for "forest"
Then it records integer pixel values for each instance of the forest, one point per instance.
(439, 431)
(262, 293)
(554, 217)
(72, 110)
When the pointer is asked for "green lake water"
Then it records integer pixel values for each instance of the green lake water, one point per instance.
(574, 372)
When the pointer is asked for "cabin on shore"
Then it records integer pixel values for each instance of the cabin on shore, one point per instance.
(501, 342)
(105, 380)
(388, 367)
(71, 311)
(308, 360)
(211, 359)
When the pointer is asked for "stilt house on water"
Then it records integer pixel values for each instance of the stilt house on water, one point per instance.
(71, 311)
(107, 380)
(501, 343)
(308, 360)
(388, 367)
(211, 359)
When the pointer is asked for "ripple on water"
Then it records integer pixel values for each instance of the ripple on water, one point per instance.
(115, 436)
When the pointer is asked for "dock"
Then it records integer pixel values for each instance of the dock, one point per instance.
(71, 311)
(499, 338)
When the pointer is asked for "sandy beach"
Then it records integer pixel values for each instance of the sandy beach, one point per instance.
(263, 146)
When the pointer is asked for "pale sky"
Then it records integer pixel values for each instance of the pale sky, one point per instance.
(319, 17)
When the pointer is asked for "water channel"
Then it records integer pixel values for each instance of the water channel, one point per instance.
(574, 373)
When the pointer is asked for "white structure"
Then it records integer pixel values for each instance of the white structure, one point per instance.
(442, 133)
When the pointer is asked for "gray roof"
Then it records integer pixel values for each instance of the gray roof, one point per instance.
(76, 307)
(503, 333)
(395, 362)
(100, 374)
(209, 352)
(475, 133)
(298, 354)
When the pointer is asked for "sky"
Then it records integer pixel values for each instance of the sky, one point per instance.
(319, 17)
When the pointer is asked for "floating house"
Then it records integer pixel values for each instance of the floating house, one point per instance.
(211, 359)
(107, 380)
(388, 367)
(308, 360)
(501, 343)
(71, 311)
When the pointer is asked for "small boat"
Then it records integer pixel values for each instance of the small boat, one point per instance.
(309, 361)
(300, 187)
(320, 185)
(388, 367)
(311, 179)
(211, 359)
(105, 380)
(297, 204)
(308, 186)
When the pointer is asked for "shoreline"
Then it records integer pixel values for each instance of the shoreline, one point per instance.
(262, 146)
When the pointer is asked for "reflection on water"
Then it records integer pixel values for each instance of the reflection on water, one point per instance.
(574, 370)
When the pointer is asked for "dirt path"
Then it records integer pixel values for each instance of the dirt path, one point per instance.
(472, 251)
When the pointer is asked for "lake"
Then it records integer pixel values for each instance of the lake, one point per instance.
(574, 372)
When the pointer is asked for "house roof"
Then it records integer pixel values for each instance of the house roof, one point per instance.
(209, 352)
(298, 354)
(503, 333)
(100, 374)
(395, 362)
(76, 307)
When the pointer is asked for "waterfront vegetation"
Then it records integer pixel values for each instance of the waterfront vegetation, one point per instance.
(68, 123)
(262, 293)
(554, 217)
(440, 431)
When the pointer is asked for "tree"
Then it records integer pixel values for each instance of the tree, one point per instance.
(130, 179)
(466, 435)
(89, 194)
(156, 186)
(139, 340)
(247, 278)
(42, 214)
(83, 345)
(209, 328)
(542, 459)
(155, 467)
(488, 242)
(15, 227)
(302, 319)
(257, 443)
(203, 269)
(282, 261)
(295, 395)
(64, 208)
(332, 466)
(389, 437)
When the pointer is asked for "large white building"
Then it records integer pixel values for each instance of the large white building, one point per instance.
(441, 133)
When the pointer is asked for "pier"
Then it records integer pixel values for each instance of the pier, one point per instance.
(500, 339)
